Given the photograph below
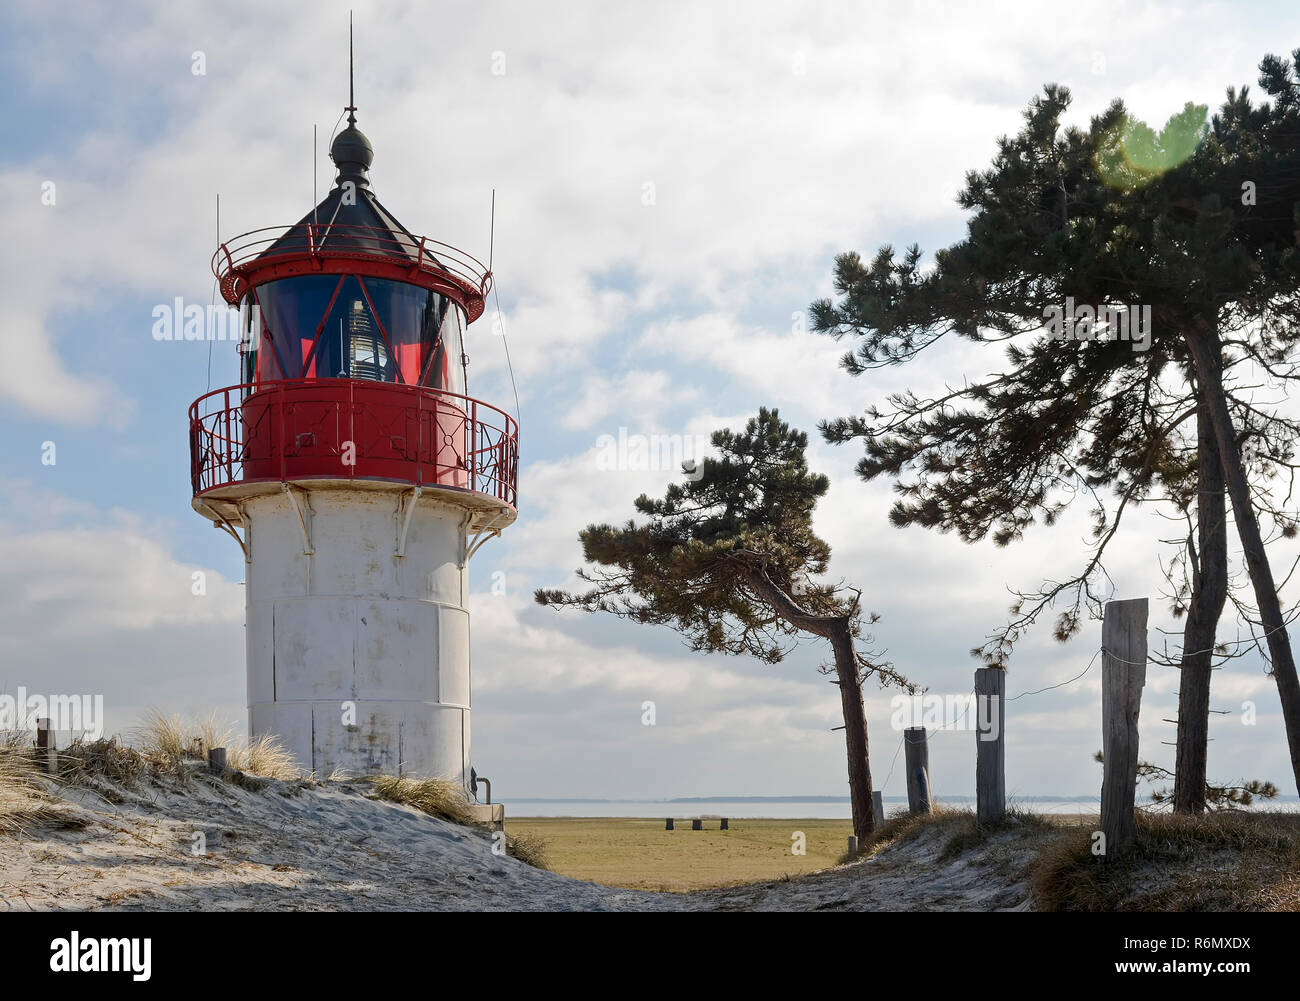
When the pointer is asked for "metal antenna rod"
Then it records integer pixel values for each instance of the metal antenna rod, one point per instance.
(352, 101)
(492, 230)
(313, 174)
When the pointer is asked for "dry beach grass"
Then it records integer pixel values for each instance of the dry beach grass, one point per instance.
(174, 739)
(1226, 861)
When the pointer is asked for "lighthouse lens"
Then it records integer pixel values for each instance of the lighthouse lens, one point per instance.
(350, 327)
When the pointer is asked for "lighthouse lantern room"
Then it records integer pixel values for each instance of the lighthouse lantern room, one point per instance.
(358, 477)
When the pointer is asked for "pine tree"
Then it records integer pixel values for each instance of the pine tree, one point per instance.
(728, 558)
(1115, 214)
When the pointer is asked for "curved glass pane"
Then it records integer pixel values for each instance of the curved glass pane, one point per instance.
(346, 326)
(446, 369)
(249, 340)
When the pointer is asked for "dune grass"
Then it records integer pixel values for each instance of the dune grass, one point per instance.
(446, 800)
(961, 831)
(21, 799)
(106, 758)
(902, 827)
(26, 800)
(529, 848)
(1223, 861)
(266, 756)
(173, 740)
(162, 737)
(437, 797)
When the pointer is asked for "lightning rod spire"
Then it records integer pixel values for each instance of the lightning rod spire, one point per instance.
(351, 109)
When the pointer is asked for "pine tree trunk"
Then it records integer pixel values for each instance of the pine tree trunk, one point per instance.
(837, 629)
(855, 733)
(1209, 593)
(1207, 356)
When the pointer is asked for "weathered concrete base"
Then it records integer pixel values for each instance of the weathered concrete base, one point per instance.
(417, 739)
(492, 814)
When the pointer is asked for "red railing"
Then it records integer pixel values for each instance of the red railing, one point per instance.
(439, 263)
(352, 428)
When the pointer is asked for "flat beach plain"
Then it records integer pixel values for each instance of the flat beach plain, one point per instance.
(639, 854)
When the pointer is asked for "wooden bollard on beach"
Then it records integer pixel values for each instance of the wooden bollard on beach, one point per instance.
(878, 805)
(853, 844)
(697, 824)
(1123, 675)
(990, 745)
(217, 760)
(46, 755)
(723, 826)
(668, 824)
(916, 751)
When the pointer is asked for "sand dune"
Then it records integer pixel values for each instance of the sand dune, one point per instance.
(329, 846)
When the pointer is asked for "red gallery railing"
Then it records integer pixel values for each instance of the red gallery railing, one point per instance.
(280, 251)
(352, 428)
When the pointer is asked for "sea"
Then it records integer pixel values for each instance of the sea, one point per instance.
(782, 807)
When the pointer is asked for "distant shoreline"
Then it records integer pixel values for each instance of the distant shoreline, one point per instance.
(1087, 797)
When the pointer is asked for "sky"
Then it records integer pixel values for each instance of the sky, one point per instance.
(672, 184)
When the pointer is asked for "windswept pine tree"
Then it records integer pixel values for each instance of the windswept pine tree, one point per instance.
(728, 558)
(1072, 226)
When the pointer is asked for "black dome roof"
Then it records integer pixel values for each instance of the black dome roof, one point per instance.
(350, 217)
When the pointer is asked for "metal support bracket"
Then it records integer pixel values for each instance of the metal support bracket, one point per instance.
(301, 506)
(225, 525)
(484, 534)
(409, 500)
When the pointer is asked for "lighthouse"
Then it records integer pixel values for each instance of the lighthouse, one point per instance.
(358, 478)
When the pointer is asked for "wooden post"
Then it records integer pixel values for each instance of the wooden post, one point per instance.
(697, 824)
(878, 804)
(853, 845)
(217, 760)
(1123, 675)
(916, 751)
(46, 755)
(724, 826)
(990, 745)
(668, 824)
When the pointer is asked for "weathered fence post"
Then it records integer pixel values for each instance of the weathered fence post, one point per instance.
(668, 824)
(697, 824)
(217, 760)
(1123, 675)
(46, 755)
(723, 826)
(878, 804)
(990, 745)
(916, 753)
(853, 845)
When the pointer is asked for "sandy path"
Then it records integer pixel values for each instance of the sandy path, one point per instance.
(329, 847)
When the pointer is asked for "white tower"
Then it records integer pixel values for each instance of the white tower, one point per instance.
(357, 477)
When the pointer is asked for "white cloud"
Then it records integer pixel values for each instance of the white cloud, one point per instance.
(774, 137)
